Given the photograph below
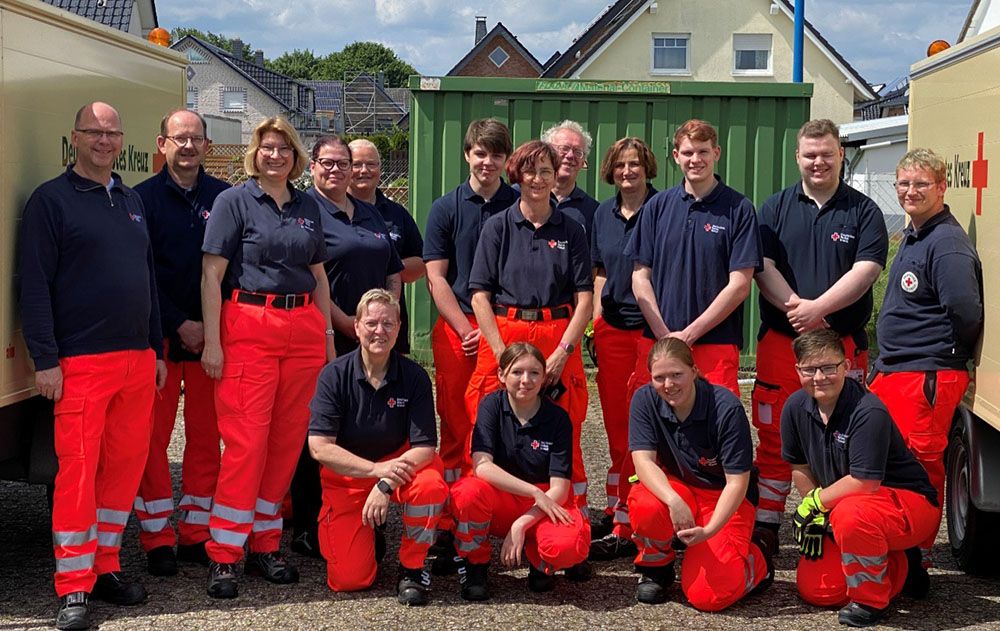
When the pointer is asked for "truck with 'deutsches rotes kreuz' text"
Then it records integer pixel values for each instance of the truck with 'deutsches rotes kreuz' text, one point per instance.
(954, 106)
(51, 63)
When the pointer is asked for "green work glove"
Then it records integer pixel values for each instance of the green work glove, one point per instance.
(806, 513)
(813, 536)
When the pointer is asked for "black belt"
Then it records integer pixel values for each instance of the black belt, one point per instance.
(533, 315)
(278, 301)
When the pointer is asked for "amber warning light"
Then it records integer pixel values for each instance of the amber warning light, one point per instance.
(937, 46)
(159, 36)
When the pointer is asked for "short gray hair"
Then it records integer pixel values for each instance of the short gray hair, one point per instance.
(358, 143)
(571, 126)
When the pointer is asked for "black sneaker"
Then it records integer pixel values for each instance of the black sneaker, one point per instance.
(161, 561)
(112, 588)
(474, 584)
(414, 587)
(73, 612)
(858, 615)
(447, 562)
(539, 581)
(444, 544)
(222, 580)
(580, 573)
(602, 527)
(610, 547)
(654, 583)
(918, 582)
(272, 566)
(306, 544)
(767, 540)
(192, 553)
(379, 543)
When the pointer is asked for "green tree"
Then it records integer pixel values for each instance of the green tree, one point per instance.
(298, 64)
(216, 39)
(368, 57)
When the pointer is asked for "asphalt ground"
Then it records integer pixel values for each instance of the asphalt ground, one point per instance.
(27, 599)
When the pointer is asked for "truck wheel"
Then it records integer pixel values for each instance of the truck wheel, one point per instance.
(969, 529)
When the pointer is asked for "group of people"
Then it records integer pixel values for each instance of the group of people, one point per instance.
(278, 312)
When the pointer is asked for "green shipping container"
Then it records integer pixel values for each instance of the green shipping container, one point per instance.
(757, 125)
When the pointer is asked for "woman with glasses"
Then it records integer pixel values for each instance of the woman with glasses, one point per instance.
(266, 304)
(690, 443)
(531, 282)
(361, 257)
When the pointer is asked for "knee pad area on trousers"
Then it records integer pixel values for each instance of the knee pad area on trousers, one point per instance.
(821, 582)
(711, 585)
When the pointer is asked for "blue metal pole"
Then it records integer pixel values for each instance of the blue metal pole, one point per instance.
(800, 23)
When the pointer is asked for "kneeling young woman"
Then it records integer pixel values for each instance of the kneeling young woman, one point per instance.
(522, 459)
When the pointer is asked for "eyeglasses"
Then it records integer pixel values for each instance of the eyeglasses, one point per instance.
(371, 166)
(182, 141)
(828, 370)
(567, 150)
(544, 174)
(328, 163)
(904, 185)
(96, 134)
(387, 325)
(268, 150)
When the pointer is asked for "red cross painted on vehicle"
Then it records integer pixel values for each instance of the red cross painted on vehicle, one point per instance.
(980, 170)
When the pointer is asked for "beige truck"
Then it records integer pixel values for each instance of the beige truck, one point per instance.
(955, 110)
(51, 63)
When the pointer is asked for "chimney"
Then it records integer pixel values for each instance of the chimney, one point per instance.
(258, 57)
(238, 48)
(480, 28)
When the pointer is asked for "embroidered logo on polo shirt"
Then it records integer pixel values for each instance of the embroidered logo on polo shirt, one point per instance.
(714, 229)
(842, 237)
(395, 236)
(540, 445)
(397, 402)
(841, 438)
(306, 224)
(135, 217)
(909, 282)
(205, 214)
(379, 235)
(558, 245)
(705, 461)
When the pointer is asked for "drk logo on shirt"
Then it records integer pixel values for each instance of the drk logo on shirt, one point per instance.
(714, 229)
(558, 245)
(705, 461)
(205, 214)
(840, 437)
(842, 237)
(136, 217)
(398, 402)
(540, 445)
(306, 224)
(909, 282)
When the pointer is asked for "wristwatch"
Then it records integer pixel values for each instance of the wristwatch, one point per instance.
(569, 348)
(384, 487)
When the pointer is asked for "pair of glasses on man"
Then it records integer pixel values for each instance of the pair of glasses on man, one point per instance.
(828, 370)
(97, 134)
(182, 141)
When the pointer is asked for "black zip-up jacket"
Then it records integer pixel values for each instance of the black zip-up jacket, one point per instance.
(177, 221)
(86, 271)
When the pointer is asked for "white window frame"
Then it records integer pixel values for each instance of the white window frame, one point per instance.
(682, 72)
(195, 56)
(191, 98)
(505, 59)
(754, 42)
(225, 107)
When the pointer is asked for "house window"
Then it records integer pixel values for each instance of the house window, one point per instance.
(752, 54)
(234, 99)
(194, 56)
(192, 99)
(499, 56)
(670, 53)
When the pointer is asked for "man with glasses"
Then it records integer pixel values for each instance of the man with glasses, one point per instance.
(403, 231)
(178, 202)
(92, 326)
(572, 142)
(931, 318)
(824, 245)
(858, 480)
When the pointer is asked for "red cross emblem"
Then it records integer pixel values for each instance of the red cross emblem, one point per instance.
(980, 169)
(835, 236)
(552, 243)
(534, 445)
(392, 403)
(909, 282)
(708, 227)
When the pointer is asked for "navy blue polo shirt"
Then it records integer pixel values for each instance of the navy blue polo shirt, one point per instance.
(932, 314)
(691, 247)
(370, 423)
(580, 207)
(453, 228)
(527, 267)
(406, 238)
(712, 441)
(535, 452)
(361, 253)
(813, 247)
(608, 239)
(269, 249)
(177, 219)
(860, 440)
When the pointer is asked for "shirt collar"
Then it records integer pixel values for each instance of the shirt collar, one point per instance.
(517, 217)
(842, 189)
(938, 218)
(508, 411)
(617, 210)
(703, 397)
(468, 193)
(391, 373)
(716, 192)
(170, 183)
(86, 183)
(254, 187)
(848, 399)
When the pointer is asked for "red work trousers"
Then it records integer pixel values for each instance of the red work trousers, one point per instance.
(716, 573)
(545, 336)
(923, 406)
(480, 510)
(349, 547)
(866, 562)
(272, 358)
(452, 371)
(200, 468)
(102, 429)
(617, 353)
(718, 363)
(776, 381)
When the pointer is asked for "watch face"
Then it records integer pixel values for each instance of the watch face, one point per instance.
(384, 487)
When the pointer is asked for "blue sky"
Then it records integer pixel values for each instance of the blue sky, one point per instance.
(880, 38)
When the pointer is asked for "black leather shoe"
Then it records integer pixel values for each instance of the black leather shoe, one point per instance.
(918, 582)
(74, 612)
(475, 586)
(612, 547)
(414, 587)
(654, 583)
(272, 566)
(112, 588)
(161, 561)
(222, 580)
(858, 615)
(600, 528)
(767, 540)
(580, 573)
(306, 544)
(192, 553)
(539, 581)
(447, 562)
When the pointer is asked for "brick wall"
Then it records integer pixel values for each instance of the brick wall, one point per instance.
(515, 66)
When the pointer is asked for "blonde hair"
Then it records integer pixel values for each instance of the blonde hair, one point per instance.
(278, 125)
(925, 160)
(376, 295)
